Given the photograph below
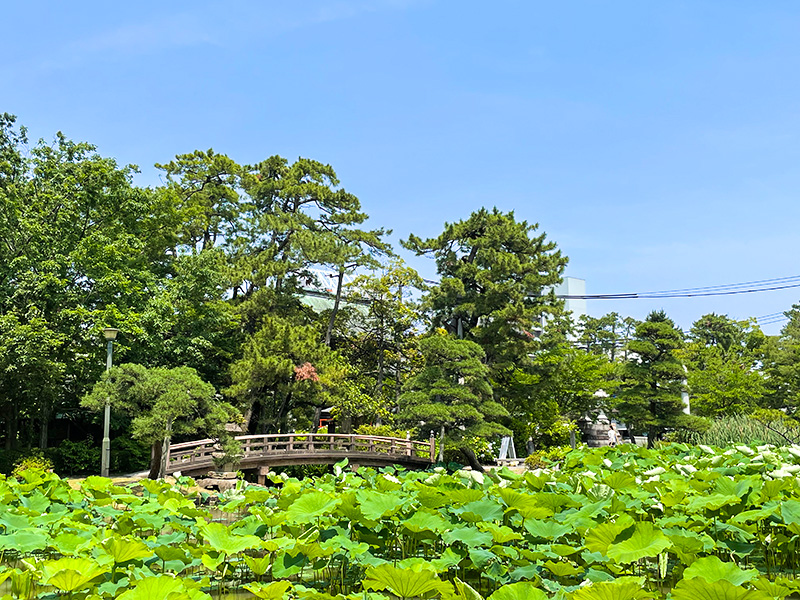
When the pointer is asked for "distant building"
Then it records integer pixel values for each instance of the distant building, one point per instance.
(572, 286)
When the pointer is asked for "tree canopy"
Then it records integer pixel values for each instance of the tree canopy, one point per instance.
(266, 284)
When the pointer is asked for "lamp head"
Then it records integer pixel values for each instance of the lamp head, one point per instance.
(110, 333)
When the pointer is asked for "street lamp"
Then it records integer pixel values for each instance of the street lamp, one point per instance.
(105, 460)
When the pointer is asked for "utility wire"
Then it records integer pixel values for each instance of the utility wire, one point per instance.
(747, 287)
(757, 286)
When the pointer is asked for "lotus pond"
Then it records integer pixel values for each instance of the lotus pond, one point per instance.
(681, 522)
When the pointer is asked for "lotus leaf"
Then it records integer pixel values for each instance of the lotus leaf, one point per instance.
(425, 521)
(480, 510)
(562, 568)
(712, 502)
(624, 588)
(468, 536)
(287, 564)
(523, 590)
(480, 558)
(500, 533)
(162, 587)
(599, 538)
(700, 589)
(646, 541)
(711, 568)
(311, 506)
(221, 539)
(25, 541)
(71, 574)
(269, 591)
(549, 530)
(36, 502)
(123, 549)
(464, 591)
(377, 505)
(524, 504)
(405, 583)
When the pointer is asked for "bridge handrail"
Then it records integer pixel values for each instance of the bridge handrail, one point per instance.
(263, 445)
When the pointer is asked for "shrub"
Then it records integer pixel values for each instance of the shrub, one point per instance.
(381, 430)
(129, 455)
(76, 458)
(33, 462)
(548, 458)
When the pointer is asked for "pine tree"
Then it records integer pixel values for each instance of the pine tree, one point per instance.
(452, 393)
(496, 287)
(649, 398)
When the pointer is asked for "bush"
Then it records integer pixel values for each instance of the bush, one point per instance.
(129, 455)
(34, 462)
(547, 459)
(76, 458)
(381, 430)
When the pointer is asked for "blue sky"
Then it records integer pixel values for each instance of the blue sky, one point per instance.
(655, 142)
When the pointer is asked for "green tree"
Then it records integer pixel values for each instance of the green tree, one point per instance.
(723, 359)
(607, 335)
(205, 189)
(649, 398)
(279, 373)
(567, 383)
(297, 216)
(161, 404)
(379, 337)
(496, 287)
(80, 247)
(452, 393)
(782, 366)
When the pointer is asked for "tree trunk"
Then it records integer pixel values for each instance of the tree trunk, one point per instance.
(45, 427)
(162, 463)
(283, 411)
(469, 454)
(340, 279)
(155, 459)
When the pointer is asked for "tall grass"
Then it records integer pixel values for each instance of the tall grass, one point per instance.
(744, 429)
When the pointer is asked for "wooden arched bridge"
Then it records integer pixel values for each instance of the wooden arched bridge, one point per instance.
(279, 450)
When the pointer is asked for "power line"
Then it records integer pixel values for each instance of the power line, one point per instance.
(766, 285)
(730, 289)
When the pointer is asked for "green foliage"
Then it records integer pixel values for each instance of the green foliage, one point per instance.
(649, 398)
(722, 360)
(381, 430)
(128, 455)
(452, 391)
(548, 458)
(691, 522)
(75, 458)
(33, 462)
(265, 378)
(744, 429)
(493, 291)
(162, 403)
(783, 366)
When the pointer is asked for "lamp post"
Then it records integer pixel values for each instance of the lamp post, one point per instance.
(105, 460)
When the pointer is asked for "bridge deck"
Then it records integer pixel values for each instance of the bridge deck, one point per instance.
(275, 450)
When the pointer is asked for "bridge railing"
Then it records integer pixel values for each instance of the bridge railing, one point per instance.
(201, 453)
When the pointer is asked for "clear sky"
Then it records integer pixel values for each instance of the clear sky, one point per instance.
(655, 142)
